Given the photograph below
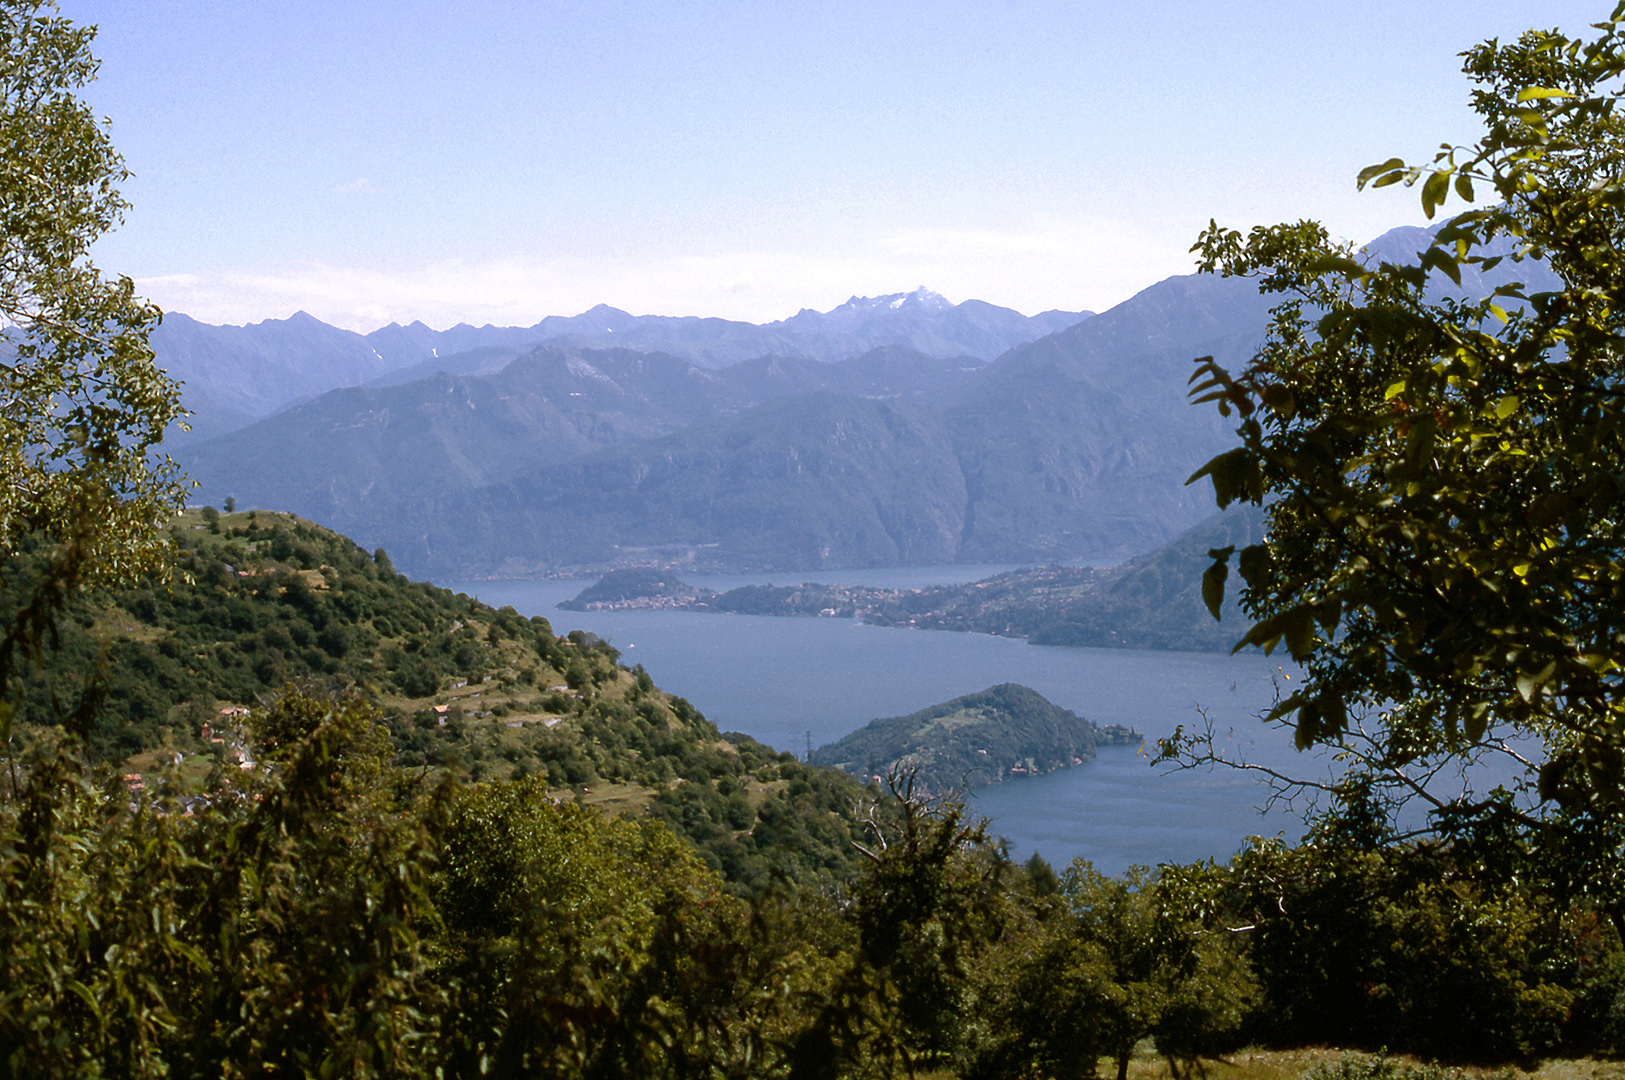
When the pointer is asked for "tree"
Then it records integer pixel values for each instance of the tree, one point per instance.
(1444, 476)
(275, 927)
(1364, 943)
(82, 401)
(1150, 955)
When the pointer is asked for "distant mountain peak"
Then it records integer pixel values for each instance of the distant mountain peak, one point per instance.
(921, 298)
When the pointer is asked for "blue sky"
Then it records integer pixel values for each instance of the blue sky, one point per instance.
(495, 161)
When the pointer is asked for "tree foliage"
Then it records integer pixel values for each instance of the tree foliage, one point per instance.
(1443, 474)
(278, 927)
(81, 400)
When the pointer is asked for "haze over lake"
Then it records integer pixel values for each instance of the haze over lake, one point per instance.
(791, 681)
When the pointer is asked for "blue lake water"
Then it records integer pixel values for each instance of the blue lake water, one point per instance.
(791, 681)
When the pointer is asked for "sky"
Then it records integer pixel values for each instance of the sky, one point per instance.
(497, 161)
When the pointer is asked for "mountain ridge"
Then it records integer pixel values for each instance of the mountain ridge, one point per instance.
(237, 374)
(1075, 445)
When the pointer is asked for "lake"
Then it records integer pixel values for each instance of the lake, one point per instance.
(791, 682)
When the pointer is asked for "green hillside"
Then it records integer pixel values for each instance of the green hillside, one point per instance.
(1153, 601)
(1005, 732)
(269, 599)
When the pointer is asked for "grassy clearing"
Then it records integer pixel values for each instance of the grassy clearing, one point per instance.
(1256, 1064)
(115, 622)
(614, 800)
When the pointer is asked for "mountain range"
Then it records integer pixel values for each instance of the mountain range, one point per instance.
(628, 441)
(571, 459)
(235, 375)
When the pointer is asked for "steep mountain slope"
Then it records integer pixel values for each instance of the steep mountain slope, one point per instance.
(883, 372)
(804, 482)
(335, 458)
(234, 375)
(483, 360)
(1079, 444)
(349, 450)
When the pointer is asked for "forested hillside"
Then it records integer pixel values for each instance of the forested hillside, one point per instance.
(506, 771)
(269, 808)
(1006, 732)
(270, 601)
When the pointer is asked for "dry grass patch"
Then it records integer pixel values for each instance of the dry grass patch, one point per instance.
(613, 800)
(115, 622)
(1256, 1064)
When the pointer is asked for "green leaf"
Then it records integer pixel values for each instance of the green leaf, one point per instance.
(1280, 400)
(1328, 614)
(1507, 406)
(1435, 189)
(1254, 563)
(1541, 93)
(1464, 187)
(1320, 719)
(1389, 172)
(1296, 626)
(1299, 630)
(1440, 259)
(1292, 704)
(1371, 171)
(1341, 264)
(1213, 579)
(1529, 683)
(1527, 686)
(1477, 721)
(82, 992)
(1230, 473)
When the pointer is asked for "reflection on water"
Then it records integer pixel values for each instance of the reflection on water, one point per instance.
(794, 681)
